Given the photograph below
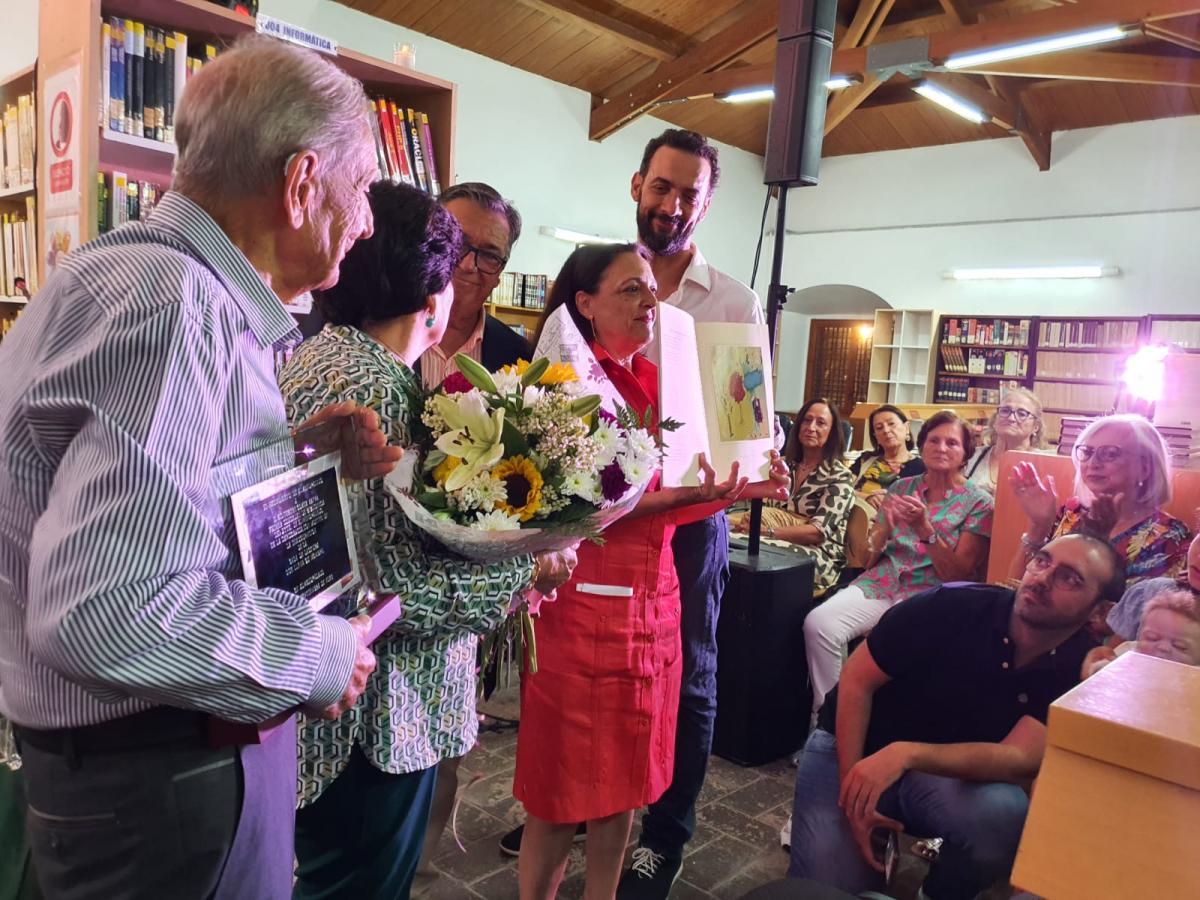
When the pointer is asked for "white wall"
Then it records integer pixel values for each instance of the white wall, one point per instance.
(1126, 196)
(524, 134)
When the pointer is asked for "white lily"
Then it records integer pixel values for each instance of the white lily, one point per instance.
(475, 435)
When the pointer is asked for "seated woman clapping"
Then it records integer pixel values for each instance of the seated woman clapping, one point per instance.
(816, 514)
(892, 456)
(930, 529)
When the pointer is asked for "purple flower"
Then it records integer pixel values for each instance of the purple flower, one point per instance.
(612, 482)
(605, 415)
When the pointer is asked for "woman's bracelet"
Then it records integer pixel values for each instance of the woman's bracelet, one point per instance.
(1030, 544)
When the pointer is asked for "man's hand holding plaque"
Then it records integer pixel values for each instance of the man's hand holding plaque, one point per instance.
(364, 665)
(353, 430)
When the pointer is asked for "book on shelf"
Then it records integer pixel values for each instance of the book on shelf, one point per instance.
(1075, 397)
(1009, 332)
(1183, 334)
(984, 361)
(120, 200)
(18, 249)
(1088, 334)
(956, 389)
(403, 145)
(1100, 366)
(18, 125)
(144, 71)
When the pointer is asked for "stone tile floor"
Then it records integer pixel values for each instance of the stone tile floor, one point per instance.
(735, 848)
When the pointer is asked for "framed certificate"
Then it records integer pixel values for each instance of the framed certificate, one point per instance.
(294, 532)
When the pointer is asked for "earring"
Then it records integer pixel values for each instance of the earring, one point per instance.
(430, 321)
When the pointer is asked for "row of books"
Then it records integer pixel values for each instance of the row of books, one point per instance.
(1089, 334)
(1185, 335)
(144, 72)
(18, 250)
(516, 289)
(1010, 332)
(17, 130)
(1075, 397)
(1107, 366)
(985, 362)
(119, 200)
(953, 389)
(404, 145)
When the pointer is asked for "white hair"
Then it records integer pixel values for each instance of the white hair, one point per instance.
(257, 103)
(1156, 489)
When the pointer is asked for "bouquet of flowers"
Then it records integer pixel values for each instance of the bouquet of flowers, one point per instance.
(525, 460)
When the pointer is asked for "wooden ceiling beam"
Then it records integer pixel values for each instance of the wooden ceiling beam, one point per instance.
(1100, 65)
(713, 84)
(1030, 26)
(847, 100)
(757, 25)
(631, 34)
(866, 13)
(1172, 36)
(961, 10)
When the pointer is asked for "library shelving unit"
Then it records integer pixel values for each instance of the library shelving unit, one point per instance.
(901, 361)
(1181, 332)
(66, 36)
(15, 199)
(521, 319)
(978, 357)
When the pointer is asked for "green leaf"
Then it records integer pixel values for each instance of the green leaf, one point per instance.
(433, 459)
(475, 373)
(669, 425)
(432, 499)
(536, 370)
(514, 442)
(586, 405)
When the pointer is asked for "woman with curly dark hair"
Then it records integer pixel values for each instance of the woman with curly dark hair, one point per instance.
(367, 779)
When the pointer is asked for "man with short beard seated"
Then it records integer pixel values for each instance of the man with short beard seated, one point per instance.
(939, 720)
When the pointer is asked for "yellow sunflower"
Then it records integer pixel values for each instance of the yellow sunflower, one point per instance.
(522, 485)
(443, 469)
(558, 373)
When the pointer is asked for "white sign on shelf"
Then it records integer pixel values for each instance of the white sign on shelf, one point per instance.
(63, 120)
(294, 34)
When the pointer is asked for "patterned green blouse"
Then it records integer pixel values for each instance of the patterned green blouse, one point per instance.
(419, 707)
(825, 498)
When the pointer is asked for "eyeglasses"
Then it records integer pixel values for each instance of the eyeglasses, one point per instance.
(1105, 453)
(1015, 412)
(1063, 576)
(486, 261)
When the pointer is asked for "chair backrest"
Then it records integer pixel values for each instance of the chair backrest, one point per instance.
(859, 523)
(1009, 521)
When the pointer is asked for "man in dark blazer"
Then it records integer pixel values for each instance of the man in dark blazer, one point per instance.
(490, 227)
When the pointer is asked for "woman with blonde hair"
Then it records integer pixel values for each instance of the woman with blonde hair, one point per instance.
(1015, 425)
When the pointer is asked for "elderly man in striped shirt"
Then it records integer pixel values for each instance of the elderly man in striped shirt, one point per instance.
(139, 395)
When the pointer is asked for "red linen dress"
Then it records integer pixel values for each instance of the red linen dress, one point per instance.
(597, 732)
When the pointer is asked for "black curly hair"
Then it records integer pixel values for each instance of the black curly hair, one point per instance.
(411, 255)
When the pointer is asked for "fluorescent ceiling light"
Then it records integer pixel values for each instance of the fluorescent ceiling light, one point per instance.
(1032, 272)
(577, 237)
(1033, 48)
(946, 100)
(751, 95)
(835, 82)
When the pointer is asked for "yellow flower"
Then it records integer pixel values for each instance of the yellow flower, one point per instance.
(523, 487)
(559, 373)
(518, 369)
(443, 469)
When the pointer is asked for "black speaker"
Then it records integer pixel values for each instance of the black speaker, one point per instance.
(763, 698)
(802, 59)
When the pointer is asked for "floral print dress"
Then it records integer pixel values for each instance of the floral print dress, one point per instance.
(1155, 547)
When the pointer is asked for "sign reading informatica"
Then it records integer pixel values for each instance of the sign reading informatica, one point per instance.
(295, 34)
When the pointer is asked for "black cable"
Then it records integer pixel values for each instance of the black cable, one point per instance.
(762, 230)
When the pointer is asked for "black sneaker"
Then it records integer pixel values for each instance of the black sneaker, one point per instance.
(510, 844)
(649, 877)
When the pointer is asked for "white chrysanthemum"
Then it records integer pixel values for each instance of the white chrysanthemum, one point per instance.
(481, 492)
(606, 439)
(583, 485)
(636, 470)
(640, 444)
(496, 520)
(507, 382)
(532, 395)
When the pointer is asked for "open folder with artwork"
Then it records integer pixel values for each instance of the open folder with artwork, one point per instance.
(715, 378)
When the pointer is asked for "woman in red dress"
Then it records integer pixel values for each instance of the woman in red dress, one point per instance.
(597, 737)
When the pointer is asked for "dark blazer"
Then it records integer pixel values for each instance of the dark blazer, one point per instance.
(501, 345)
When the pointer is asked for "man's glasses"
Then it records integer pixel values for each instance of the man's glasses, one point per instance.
(1063, 576)
(486, 261)
(1105, 453)
(1015, 412)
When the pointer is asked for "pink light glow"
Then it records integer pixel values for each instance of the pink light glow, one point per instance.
(1143, 375)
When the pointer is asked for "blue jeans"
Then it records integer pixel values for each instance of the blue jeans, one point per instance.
(702, 563)
(980, 823)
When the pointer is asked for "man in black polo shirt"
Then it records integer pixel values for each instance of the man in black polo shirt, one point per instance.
(940, 718)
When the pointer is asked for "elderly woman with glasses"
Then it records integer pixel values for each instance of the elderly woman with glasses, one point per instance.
(1015, 425)
(1122, 482)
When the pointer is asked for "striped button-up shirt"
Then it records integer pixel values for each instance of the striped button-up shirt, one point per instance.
(139, 393)
(436, 365)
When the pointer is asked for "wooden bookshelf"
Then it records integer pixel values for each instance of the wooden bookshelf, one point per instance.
(978, 357)
(70, 32)
(14, 199)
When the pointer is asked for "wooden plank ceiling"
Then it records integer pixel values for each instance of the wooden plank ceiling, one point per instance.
(646, 56)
